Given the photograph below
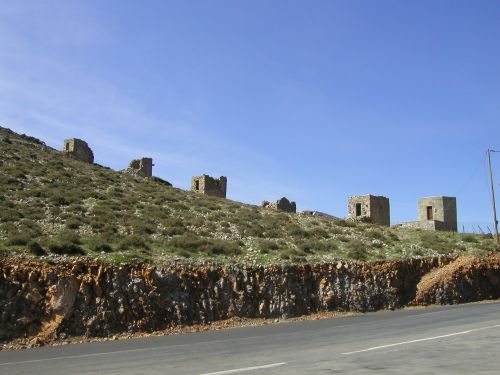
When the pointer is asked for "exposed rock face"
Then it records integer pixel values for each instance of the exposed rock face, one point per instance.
(466, 279)
(141, 167)
(281, 204)
(89, 298)
(79, 149)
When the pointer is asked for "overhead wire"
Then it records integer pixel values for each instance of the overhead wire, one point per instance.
(481, 162)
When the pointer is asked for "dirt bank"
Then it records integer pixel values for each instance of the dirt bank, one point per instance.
(42, 301)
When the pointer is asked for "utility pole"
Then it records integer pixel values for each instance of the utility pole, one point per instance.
(495, 221)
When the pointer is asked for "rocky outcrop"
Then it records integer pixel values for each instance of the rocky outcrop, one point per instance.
(45, 299)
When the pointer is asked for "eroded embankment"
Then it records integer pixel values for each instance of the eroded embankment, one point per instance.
(82, 297)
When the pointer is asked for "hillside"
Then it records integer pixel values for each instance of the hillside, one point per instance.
(53, 204)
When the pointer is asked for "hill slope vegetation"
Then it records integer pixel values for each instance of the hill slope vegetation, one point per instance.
(51, 203)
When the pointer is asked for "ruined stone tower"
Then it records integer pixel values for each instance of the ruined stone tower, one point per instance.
(210, 186)
(78, 149)
(141, 167)
(369, 208)
(438, 213)
(281, 204)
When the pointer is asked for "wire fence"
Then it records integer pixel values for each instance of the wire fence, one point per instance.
(478, 227)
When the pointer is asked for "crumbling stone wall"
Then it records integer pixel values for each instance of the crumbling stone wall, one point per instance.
(141, 167)
(425, 225)
(209, 186)
(78, 149)
(369, 208)
(318, 214)
(282, 204)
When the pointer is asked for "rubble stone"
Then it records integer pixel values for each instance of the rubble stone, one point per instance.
(141, 167)
(282, 204)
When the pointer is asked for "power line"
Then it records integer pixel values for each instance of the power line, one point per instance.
(481, 163)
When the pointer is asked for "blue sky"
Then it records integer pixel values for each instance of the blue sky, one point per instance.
(313, 100)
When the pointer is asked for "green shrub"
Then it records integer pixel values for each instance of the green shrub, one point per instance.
(67, 242)
(345, 223)
(35, 248)
(10, 215)
(73, 223)
(140, 227)
(194, 244)
(252, 230)
(99, 245)
(297, 232)
(63, 247)
(284, 256)
(393, 236)
(469, 238)
(19, 239)
(375, 234)
(69, 236)
(134, 242)
(313, 245)
(357, 250)
(267, 245)
(319, 233)
(437, 243)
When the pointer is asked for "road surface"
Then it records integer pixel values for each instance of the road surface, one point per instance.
(462, 339)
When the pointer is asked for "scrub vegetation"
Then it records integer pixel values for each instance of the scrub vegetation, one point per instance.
(53, 204)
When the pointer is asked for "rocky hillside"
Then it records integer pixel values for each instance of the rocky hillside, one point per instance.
(54, 205)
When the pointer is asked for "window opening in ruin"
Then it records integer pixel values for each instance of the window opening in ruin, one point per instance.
(430, 214)
(358, 209)
(67, 146)
(197, 185)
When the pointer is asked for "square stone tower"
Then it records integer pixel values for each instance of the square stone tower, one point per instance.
(209, 186)
(441, 210)
(79, 150)
(370, 208)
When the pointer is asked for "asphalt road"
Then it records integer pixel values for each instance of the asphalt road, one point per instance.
(462, 339)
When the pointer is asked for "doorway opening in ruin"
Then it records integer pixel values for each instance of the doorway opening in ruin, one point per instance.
(197, 185)
(430, 214)
(358, 209)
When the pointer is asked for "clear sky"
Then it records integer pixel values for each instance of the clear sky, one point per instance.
(313, 100)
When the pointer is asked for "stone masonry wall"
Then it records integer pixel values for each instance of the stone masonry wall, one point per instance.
(141, 167)
(210, 186)
(374, 209)
(444, 211)
(78, 149)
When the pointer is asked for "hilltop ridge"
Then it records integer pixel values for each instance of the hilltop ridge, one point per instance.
(53, 204)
